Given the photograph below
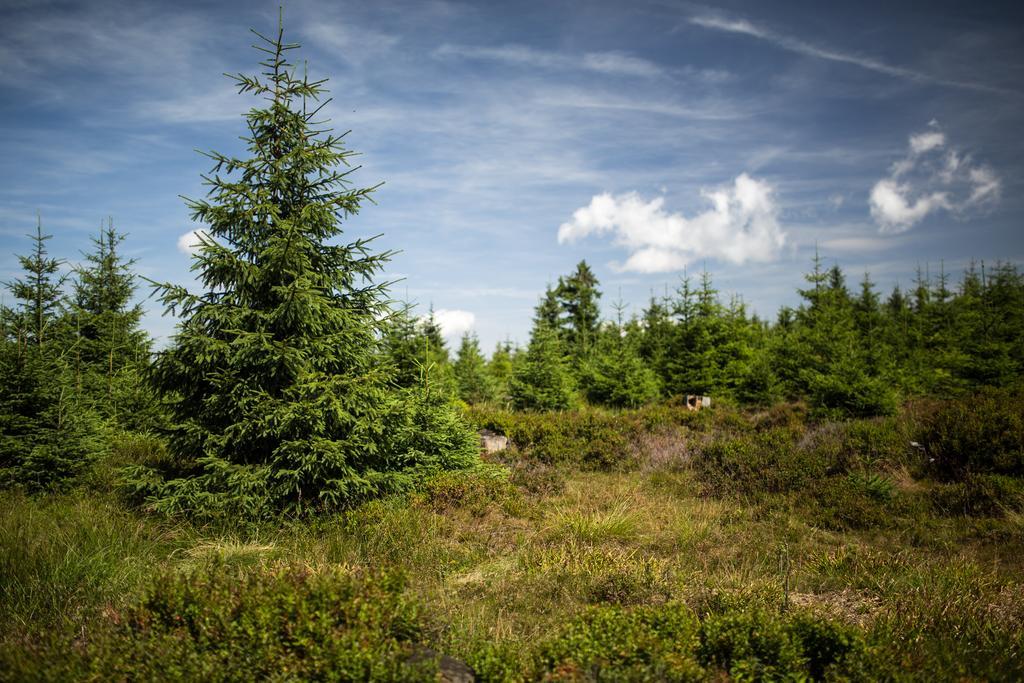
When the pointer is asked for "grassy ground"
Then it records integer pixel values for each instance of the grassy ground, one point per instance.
(731, 545)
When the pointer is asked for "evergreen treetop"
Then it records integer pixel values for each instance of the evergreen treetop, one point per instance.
(40, 291)
(108, 322)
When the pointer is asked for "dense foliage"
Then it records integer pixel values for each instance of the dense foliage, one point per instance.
(273, 381)
(227, 624)
(848, 354)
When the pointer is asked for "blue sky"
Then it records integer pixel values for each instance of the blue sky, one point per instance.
(515, 139)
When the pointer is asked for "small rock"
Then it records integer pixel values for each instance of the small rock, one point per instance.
(492, 442)
(450, 670)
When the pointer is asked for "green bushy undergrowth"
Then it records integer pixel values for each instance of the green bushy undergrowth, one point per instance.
(224, 623)
(981, 433)
(588, 438)
(670, 643)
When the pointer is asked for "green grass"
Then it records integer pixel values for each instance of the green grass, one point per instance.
(665, 569)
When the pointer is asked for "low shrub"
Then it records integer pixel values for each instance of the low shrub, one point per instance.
(537, 478)
(609, 643)
(788, 415)
(670, 643)
(476, 490)
(757, 463)
(589, 438)
(983, 433)
(221, 623)
(871, 443)
(749, 645)
(978, 495)
(853, 501)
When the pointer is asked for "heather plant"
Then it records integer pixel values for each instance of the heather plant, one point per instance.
(228, 623)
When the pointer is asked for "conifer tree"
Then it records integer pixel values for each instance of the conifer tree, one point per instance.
(46, 434)
(274, 377)
(656, 339)
(499, 370)
(871, 331)
(471, 372)
(111, 350)
(699, 348)
(614, 374)
(549, 311)
(541, 379)
(435, 363)
(998, 356)
(108, 322)
(40, 292)
(578, 295)
(826, 354)
(403, 347)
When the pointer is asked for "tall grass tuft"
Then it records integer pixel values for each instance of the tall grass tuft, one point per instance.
(64, 554)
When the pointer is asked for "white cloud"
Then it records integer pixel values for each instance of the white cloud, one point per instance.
(792, 44)
(931, 177)
(355, 45)
(189, 242)
(895, 212)
(453, 322)
(741, 226)
(620, 63)
(856, 244)
(985, 184)
(611, 63)
(927, 141)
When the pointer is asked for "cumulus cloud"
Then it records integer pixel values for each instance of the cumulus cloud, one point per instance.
(453, 322)
(932, 177)
(189, 242)
(741, 225)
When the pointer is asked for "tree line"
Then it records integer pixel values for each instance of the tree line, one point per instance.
(848, 353)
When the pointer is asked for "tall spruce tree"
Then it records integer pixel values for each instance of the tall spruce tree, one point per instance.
(403, 347)
(111, 349)
(541, 379)
(700, 347)
(656, 338)
(614, 373)
(471, 372)
(830, 360)
(578, 296)
(39, 291)
(499, 370)
(46, 434)
(107, 321)
(274, 377)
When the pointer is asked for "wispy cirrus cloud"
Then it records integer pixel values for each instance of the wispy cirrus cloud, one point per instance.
(609, 63)
(800, 46)
(355, 45)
